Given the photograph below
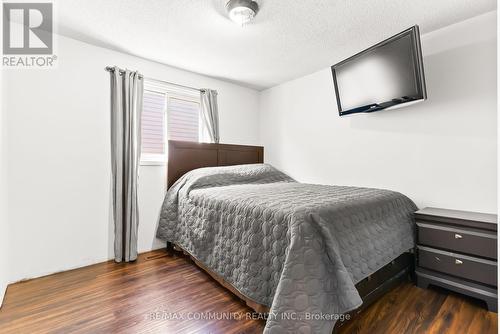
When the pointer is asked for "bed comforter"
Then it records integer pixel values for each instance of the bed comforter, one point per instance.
(297, 248)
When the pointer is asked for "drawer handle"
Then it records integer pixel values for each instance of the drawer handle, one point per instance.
(458, 236)
(457, 261)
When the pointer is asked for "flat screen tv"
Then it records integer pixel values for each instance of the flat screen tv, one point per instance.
(388, 75)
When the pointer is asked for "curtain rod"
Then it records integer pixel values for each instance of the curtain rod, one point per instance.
(112, 69)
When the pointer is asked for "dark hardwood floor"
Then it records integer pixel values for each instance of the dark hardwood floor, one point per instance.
(150, 296)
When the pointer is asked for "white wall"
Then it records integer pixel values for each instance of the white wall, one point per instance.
(4, 228)
(59, 156)
(4, 231)
(441, 152)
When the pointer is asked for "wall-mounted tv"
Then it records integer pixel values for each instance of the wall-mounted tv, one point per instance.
(388, 75)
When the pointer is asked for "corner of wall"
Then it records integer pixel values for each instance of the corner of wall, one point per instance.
(4, 228)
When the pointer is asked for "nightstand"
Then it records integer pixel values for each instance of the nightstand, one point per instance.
(457, 250)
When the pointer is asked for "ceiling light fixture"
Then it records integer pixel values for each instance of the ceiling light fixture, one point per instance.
(242, 11)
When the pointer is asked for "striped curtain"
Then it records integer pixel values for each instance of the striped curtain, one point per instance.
(126, 108)
(210, 113)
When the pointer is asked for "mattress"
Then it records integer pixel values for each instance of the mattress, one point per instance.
(296, 248)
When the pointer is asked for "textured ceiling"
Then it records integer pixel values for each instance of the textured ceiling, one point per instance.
(287, 39)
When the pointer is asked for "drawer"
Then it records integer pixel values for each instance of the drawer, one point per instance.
(468, 267)
(459, 240)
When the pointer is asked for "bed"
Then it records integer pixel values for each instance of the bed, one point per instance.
(305, 254)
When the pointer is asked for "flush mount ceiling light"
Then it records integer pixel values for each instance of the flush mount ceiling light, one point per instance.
(242, 11)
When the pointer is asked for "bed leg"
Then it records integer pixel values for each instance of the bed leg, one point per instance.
(411, 273)
(169, 247)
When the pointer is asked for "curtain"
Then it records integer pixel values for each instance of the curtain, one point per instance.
(210, 113)
(126, 108)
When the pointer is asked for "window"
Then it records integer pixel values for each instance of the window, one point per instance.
(153, 123)
(183, 119)
(168, 112)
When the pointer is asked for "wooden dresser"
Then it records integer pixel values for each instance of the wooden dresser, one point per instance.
(457, 250)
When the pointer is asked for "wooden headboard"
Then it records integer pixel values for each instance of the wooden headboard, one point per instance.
(184, 156)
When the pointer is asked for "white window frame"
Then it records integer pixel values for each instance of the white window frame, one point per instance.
(170, 91)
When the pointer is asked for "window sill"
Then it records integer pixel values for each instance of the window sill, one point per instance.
(152, 163)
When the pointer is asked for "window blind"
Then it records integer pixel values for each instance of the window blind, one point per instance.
(183, 119)
(167, 113)
(153, 123)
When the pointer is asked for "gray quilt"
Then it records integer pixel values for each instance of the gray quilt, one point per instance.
(297, 248)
